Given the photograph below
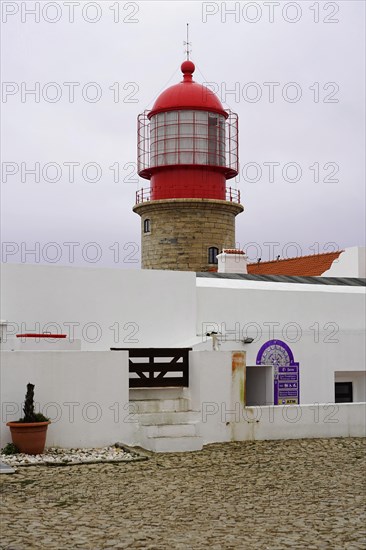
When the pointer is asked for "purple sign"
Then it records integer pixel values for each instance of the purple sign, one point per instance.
(286, 375)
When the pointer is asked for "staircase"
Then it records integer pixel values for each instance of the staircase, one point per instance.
(166, 424)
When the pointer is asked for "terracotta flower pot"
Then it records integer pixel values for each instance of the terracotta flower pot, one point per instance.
(30, 438)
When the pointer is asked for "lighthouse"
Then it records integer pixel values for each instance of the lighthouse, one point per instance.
(187, 149)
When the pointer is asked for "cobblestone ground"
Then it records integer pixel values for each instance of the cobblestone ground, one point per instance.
(302, 494)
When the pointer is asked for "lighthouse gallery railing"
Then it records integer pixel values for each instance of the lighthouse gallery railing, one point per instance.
(144, 195)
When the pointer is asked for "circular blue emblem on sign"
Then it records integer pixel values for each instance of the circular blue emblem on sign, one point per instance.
(276, 353)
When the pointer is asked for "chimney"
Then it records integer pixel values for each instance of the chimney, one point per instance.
(232, 261)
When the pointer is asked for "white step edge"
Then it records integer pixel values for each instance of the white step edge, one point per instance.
(168, 392)
(160, 405)
(168, 417)
(172, 430)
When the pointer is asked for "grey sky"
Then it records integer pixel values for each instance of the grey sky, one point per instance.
(144, 57)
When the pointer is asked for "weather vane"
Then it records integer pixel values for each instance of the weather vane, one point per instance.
(187, 43)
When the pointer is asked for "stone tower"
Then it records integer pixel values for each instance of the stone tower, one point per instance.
(187, 148)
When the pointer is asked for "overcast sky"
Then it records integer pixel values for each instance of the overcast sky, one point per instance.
(309, 121)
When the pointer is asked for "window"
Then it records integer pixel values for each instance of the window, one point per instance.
(212, 255)
(147, 226)
(187, 137)
(343, 392)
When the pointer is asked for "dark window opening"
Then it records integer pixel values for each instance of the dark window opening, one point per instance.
(212, 255)
(343, 392)
(147, 226)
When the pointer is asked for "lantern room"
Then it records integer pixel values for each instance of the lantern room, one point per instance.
(187, 144)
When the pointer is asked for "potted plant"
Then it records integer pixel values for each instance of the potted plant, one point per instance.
(29, 433)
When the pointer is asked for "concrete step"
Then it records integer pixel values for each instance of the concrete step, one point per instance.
(168, 417)
(171, 430)
(179, 404)
(174, 444)
(142, 394)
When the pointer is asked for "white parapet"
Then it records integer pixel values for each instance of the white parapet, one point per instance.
(39, 344)
(84, 393)
(351, 263)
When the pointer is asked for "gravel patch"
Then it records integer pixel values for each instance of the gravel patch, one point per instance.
(55, 456)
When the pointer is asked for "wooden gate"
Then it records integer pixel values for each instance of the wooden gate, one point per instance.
(158, 367)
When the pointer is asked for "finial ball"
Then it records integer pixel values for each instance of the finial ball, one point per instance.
(187, 67)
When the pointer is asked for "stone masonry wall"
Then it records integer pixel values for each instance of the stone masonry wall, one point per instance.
(182, 230)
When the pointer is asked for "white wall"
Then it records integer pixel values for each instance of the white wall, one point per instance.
(84, 393)
(323, 325)
(86, 396)
(319, 361)
(114, 307)
(302, 421)
(223, 418)
(351, 263)
(40, 344)
(243, 301)
(210, 375)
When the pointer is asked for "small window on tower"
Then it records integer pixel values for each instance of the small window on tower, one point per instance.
(212, 255)
(147, 227)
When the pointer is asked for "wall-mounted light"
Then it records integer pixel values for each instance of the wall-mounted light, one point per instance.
(215, 340)
(248, 340)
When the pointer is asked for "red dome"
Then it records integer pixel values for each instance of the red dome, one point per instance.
(187, 95)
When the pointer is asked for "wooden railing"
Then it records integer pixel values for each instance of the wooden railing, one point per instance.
(150, 371)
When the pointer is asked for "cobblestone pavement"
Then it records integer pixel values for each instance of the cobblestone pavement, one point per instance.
(303, 494)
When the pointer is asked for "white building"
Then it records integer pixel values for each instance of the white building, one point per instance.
(84, 386)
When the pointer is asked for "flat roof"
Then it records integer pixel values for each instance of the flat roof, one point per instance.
(338, 281)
